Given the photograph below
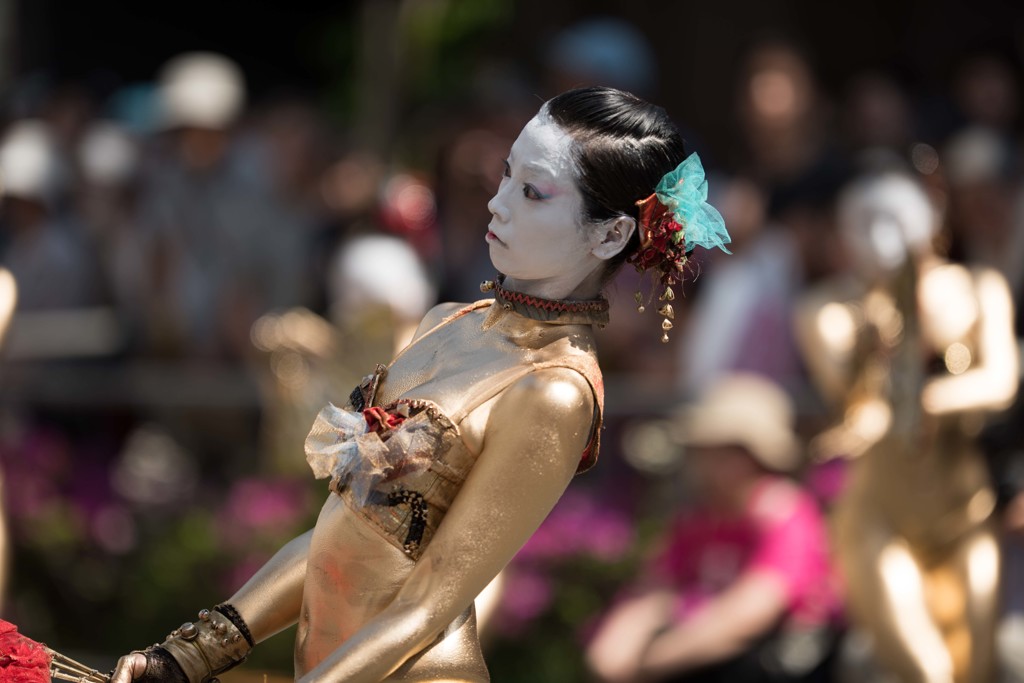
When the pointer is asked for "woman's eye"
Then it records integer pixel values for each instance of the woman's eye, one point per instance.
(530, 192)
(506, 170)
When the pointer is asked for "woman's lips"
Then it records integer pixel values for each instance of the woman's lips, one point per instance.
(491, 237)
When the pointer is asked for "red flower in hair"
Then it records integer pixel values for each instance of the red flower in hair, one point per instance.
(22, 660)
(661, 241)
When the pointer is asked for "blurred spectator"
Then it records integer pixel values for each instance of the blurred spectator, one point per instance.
(805, 207)
(378, 266)
(740, 320)
(218, 260)
(380, 271)
(377, 290)
(877, 114)
(984, 202)
(282, 156)
(783, 117)
(741, 588)
(987, 93)
(106, 200)
(47, 257)
(602, 51)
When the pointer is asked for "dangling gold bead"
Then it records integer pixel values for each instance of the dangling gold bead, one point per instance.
(667, 311)
(640, 308)
(664, 338)
(669, 295)
(487, 285)
(639, 298)
(666, 324)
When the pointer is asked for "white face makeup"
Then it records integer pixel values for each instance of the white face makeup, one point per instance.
(535, 231)
(885, 220)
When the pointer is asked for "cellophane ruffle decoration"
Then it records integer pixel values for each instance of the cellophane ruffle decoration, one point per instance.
(676, 219)
(360, 450)
(23, 660)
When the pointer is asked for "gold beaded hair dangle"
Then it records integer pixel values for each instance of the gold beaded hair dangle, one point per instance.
(667, 312)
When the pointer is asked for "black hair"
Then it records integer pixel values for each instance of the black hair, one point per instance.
(622, 147)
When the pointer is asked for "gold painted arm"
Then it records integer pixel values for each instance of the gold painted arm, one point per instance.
(270, 601)
(829, 360)
(991, 384)
(535, 433)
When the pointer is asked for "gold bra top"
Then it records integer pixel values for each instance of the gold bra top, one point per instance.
(401, 465)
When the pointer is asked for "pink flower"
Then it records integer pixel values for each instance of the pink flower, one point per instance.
(526, 595)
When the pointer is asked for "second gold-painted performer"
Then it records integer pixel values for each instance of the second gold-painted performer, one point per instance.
(445, 461)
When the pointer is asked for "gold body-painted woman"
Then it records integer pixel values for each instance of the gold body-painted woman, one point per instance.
(446, 461)
(916, 350)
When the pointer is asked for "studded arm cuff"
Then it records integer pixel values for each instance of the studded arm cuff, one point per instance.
(209, 646)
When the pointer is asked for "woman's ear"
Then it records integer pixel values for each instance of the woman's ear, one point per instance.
(613, 236)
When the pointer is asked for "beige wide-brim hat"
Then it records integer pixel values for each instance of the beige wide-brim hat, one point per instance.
(744, 410)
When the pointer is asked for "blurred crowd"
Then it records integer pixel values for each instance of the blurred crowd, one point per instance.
(193, 273)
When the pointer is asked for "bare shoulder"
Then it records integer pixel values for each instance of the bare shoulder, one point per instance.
(943, 282)
(435, 315)
(987, 279)
(545, 420)
(550, 394)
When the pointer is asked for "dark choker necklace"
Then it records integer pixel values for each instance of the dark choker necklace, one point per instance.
(565, 311)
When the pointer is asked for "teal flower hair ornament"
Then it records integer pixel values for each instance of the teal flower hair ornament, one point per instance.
(674, 220)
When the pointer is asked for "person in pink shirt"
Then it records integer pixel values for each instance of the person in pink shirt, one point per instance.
(740, 589)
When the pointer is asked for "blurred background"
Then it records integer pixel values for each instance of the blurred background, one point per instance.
(215, 217)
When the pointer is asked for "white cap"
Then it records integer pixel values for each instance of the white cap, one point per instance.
(976, 154)
(380, 270)
(201, 89)
(29, 167)
(108, 154)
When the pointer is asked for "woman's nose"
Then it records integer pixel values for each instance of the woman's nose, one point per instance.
(497, 206)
